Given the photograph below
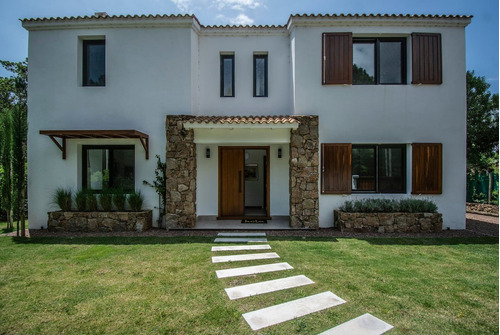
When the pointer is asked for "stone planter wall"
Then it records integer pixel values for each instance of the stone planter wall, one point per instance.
(389, 222)
(304, 173)
(181, 173)
(100, 221)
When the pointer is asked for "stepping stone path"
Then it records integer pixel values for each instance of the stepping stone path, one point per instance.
(365, 324)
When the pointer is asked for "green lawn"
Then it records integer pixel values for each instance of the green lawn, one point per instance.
(148, 285)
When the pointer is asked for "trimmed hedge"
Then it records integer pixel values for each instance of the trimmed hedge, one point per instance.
(389, 206)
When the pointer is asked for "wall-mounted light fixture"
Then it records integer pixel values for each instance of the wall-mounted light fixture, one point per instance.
(280, 153)
(207, 153)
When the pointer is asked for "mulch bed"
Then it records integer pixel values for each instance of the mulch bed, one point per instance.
(477, 225)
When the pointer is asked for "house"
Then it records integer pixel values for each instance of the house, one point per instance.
(253, 121)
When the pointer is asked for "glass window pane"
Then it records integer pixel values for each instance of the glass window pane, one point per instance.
(363, 169)
(390, 63)
(260, 76)
(97, 169)
(122, 169)
(227, 71)
(363, 67)
(391, 169)
(94, 63)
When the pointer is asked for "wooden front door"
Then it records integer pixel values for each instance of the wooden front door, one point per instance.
(231, 182)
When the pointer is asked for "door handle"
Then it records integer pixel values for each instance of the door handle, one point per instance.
(239, 181)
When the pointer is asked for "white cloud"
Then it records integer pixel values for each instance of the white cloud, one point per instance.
(238, 4)
(183, 5)
(241, 19)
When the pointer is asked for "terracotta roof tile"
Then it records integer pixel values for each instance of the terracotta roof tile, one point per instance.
(420, 16)
(283, 119)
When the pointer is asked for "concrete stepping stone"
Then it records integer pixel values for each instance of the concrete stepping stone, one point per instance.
(273, 315)
(244, 257)
(239, 239)
(244, 291)
(242, 247)
(365, 324)
(250, 270)
(241, 234)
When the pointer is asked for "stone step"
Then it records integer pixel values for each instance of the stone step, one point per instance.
(365, 324)
(244, 257)
(244, 291)
(242, 247)
(241, 234)
(250, 270)
(239, 239)
(273, 315)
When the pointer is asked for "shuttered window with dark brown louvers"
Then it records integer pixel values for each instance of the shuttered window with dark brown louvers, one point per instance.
(426, 58)
(336, 168)
(427, 168)
(337, 58)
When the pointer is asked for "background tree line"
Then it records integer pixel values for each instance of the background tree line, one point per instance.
(13, 135)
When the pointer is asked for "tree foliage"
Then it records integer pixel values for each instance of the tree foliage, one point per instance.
(13, 138)
(482, 125)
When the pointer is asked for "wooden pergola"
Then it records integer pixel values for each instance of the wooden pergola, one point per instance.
(74, 134)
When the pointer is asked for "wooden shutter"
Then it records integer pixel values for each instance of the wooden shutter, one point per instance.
(426, 168)
(336, 168)
(337, 58)
(426, 58)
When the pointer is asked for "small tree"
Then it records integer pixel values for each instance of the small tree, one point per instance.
(160, 184)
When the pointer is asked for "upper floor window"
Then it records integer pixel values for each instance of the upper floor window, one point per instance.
(371, 61)
(379, 61)
(227, 75)
(94, 63)
(260, 75)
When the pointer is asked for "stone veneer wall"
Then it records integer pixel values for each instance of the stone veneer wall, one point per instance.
(304, 173)
(100, 221)
(389, 222)
(181, 173)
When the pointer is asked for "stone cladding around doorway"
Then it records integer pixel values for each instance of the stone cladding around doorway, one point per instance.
(181, 173)
(304, 173)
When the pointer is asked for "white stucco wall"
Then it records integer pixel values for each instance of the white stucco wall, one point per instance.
(278, 100)
(147, 76)
(389, 113)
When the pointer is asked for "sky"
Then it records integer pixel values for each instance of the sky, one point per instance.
(481, 35)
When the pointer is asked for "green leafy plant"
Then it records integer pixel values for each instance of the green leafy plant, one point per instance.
(389, 206)
(106, 200)
(81, 200)
(91, 202)
(63, 199)
(135, 201)
(160, 183)
(119, 200)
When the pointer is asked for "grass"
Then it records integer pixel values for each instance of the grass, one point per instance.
(5, 230)
(149, 285)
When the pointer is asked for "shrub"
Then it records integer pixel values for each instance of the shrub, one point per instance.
(81, 200)
(62, 198)
(119, 200)
(135, 201)
(91, 202)
(389, 206)
(105, 200)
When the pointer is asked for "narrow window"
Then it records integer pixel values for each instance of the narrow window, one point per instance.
(260, 75)
(227, 75)
(364, 168)
(94, 63)
(108, 167)
(379, 61)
